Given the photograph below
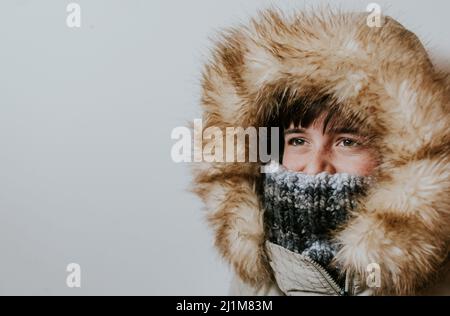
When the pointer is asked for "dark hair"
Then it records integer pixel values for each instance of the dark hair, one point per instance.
(304, 112)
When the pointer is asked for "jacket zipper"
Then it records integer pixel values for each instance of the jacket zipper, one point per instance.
(336, 287)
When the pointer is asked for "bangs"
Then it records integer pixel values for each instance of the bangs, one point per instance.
(303, 113)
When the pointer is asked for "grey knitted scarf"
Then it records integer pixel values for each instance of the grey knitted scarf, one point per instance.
(302, 211)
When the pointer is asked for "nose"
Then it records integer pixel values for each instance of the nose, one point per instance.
(319, 162)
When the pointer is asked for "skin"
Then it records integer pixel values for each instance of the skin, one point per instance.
(312, 150)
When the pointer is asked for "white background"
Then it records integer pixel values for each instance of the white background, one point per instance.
(85, 122)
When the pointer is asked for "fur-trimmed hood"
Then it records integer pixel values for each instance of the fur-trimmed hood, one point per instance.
(383, 76)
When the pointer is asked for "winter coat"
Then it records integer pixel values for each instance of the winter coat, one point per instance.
(383, 76)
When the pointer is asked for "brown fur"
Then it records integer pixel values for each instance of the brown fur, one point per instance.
(383, 77)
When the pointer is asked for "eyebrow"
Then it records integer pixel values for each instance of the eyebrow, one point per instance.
(345, 130)
(294, 131)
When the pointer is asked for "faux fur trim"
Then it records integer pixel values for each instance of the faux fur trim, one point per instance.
(383, 77)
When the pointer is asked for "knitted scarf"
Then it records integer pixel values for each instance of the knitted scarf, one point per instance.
(302, 211)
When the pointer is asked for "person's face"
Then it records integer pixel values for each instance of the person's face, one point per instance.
(312, 150)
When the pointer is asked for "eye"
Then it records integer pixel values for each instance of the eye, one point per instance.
(348, 142)
(296, 141)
